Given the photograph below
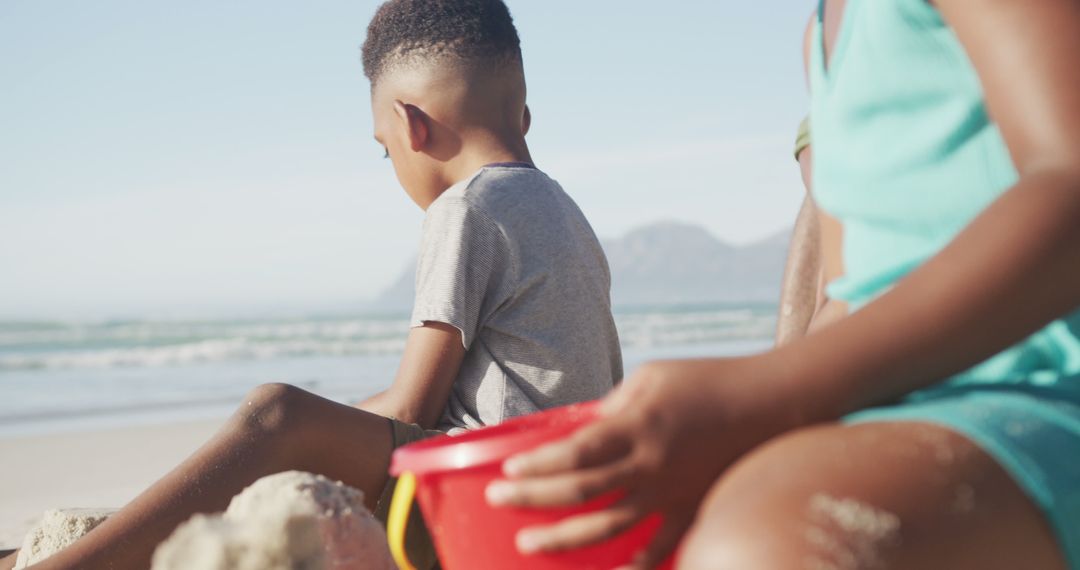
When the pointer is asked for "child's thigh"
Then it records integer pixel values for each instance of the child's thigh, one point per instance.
(873, 495)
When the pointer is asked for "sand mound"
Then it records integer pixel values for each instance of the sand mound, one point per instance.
(57, 530)
(291, 520)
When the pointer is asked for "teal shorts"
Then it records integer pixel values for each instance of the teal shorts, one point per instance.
(1033, 434)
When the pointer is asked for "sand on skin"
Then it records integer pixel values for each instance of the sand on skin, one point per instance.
(91, 469)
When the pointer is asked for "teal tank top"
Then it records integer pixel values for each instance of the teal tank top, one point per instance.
(905, 156)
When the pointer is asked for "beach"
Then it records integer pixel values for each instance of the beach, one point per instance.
(97, 468)
(93, 413)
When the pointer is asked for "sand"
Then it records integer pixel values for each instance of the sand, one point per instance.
(287, 521)
(58, 529)
(100, 469)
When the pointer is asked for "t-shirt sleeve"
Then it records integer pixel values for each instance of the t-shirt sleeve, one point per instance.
(462, 268)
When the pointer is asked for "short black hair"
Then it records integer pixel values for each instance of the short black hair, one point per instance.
(468, 30)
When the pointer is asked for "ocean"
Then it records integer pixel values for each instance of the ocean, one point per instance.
(63, 377)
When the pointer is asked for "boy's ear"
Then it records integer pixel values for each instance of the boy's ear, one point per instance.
(526, 121)
(415, 122)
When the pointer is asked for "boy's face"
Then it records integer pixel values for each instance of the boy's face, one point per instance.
(417, 172)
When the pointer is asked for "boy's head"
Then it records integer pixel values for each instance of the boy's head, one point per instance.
(447, 89)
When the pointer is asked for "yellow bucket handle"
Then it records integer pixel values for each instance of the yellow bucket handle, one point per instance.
(398, 519)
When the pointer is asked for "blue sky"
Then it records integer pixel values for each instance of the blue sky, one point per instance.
(214, 157)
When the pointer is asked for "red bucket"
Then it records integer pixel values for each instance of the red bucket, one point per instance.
(449, 475)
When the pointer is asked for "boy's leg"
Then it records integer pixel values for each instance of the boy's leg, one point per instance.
(875, 495)
(277, 428)
(8, 558)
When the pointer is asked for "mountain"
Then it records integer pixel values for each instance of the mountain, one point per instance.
(673, 263)
(667, 263)
(398, 297)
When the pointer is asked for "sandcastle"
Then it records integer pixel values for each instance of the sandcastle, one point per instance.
(57, 530)
(288, 521)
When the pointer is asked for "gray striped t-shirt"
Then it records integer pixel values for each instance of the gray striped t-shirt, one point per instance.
(508, 258)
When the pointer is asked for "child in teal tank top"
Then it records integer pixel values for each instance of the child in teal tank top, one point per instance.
(906, 156)
(938, 424)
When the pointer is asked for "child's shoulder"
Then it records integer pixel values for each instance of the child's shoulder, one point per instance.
(498, 192)
(493, 181)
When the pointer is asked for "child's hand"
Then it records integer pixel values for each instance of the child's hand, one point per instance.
(665, 437)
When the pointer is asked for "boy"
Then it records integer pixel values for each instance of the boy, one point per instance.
(512, 309)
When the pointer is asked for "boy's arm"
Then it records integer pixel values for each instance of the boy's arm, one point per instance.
(432, 357)
(460, 270)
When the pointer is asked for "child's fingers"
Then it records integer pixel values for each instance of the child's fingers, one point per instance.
(561, 490)
(594, 444)
(581, 530)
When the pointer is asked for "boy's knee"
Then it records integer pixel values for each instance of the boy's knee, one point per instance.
(272, 408)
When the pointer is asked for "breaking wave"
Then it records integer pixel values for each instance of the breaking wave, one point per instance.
(59, 346)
